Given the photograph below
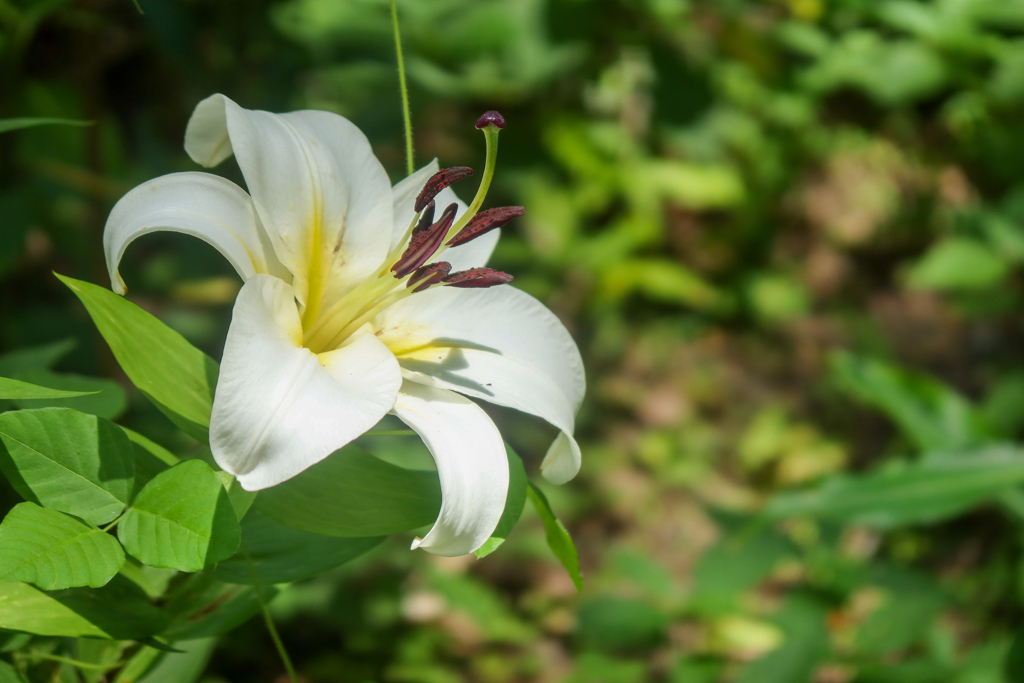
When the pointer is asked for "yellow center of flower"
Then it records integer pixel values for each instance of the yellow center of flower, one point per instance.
(328, 324)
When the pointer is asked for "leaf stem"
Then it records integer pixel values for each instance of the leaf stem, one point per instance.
(407, 116)
(114, 523)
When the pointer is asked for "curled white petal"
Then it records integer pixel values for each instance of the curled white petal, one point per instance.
(322, 195)
(471, 464)
(500, 345)
(198, 204)
(279, 408)
(472, 254)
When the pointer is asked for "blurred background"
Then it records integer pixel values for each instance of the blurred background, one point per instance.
(786, 234)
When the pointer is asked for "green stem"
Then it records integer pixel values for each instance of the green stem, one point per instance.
(405, 91)
(114, 523)
(77, 663)
(271, 629)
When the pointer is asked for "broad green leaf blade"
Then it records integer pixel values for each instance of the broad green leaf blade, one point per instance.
(176, 376)
(558, 536)
(514, 504)
(185, 666)
(54, 551)
(241, 500)
(119, 610)
(68, 461)
(203, 607)
(933, 416)
(8, 674)
(12, 389)
(352, 493)
(182, 519)
(919, 492)
(274, 553)
(35, 358)
(7, 125)
(102, 397)
(805, 644)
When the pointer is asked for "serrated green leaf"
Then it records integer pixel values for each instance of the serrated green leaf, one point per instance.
(274, 553)
(7, 125)
(514, 504)
(102, 397)
(119, 610)
(919, 492)
(12, 389)
(68, 461)
(176, 376)
(53, 551)
(557, 535)
(354, 494)
(182, 519)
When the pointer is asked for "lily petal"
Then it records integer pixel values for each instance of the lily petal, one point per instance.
(469, 255)
(198, 204)
(279, 408)
(500, 345)
(321, 193)
(471, 464)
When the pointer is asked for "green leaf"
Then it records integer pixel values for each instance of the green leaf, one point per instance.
(182, 519)
(203, 607)
(273, 553)
(8, 674)
(610, 622)
(184, 666)
(53, 551)
(68, 461)
(12, 389)
(241, 500)
(102, 397)
(35, 358)
(177, 377)
(919, 492)
(514, 504)
(119, 610)
(931, 414)
(352, 493)
(1013, 666)
(806, 644)
(558, 536)
(30, 122)
(959, 264)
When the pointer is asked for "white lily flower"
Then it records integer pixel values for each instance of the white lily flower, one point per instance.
(328, 335)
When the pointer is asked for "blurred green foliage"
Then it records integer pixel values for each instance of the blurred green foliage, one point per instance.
(787, 235)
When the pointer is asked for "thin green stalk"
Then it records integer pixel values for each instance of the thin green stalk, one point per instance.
(271, 629)
(77, 662)
(405, 91)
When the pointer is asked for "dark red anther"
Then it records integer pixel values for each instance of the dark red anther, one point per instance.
(478, 277)
(423, 245)
(429, 275)
(484, 222)
(491, 118)
(439, 181)
(426, 219)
